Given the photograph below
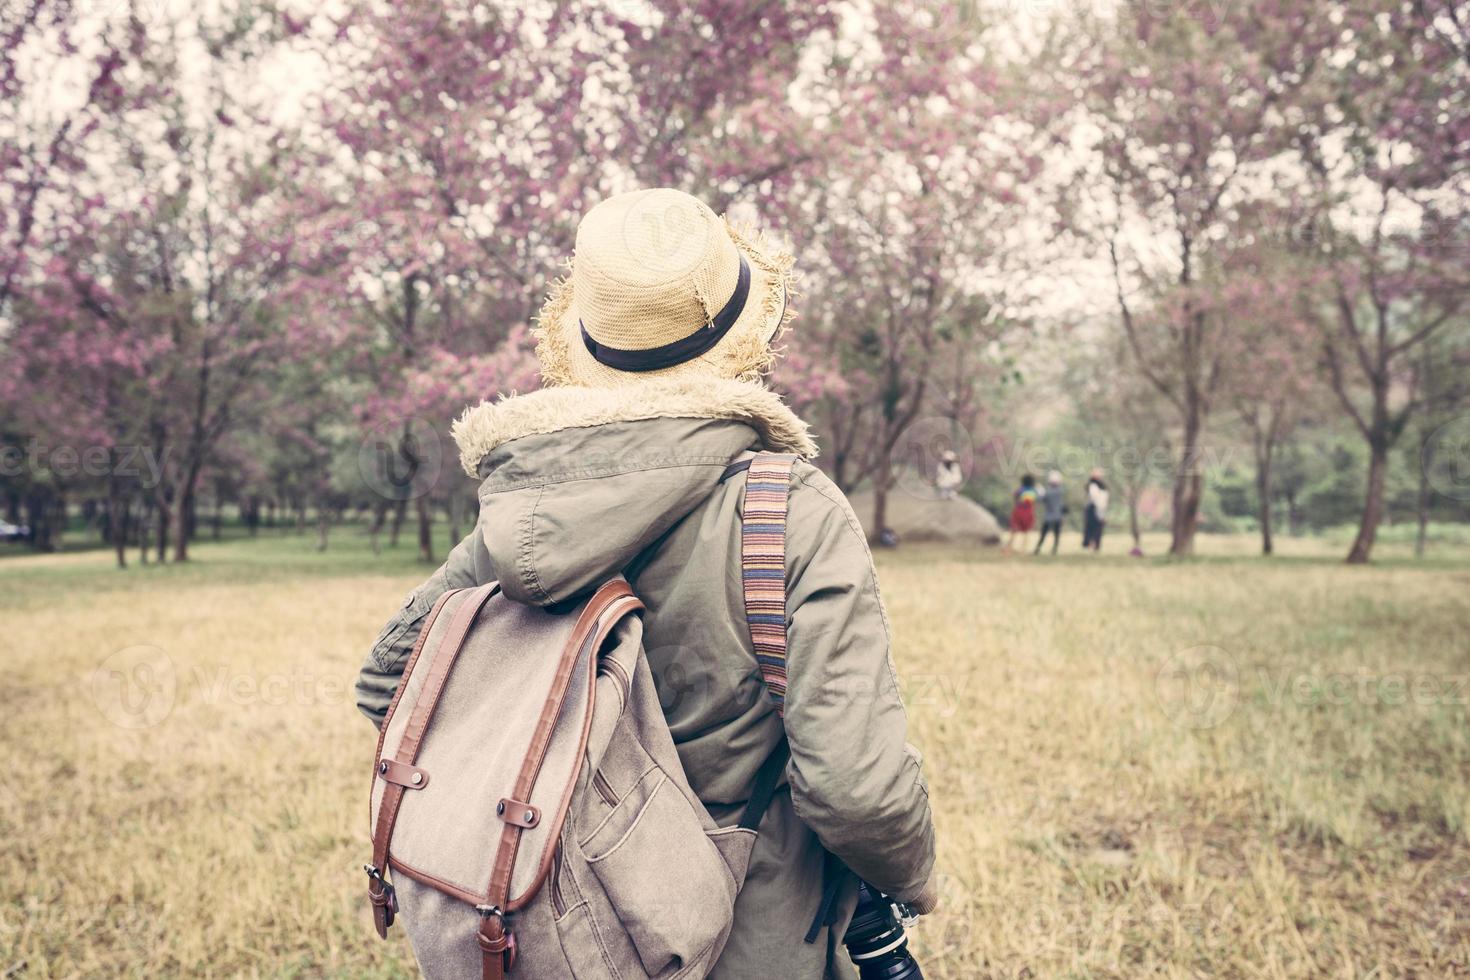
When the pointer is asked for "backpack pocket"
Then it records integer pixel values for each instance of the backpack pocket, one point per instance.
(668, 883)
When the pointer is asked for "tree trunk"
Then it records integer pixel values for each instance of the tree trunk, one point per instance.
(37, 521)
(1263, 492)
(400, 510)
(117, 515)
(58, 531)
(880, 510)
(1189, 484)
(144, 522)
(44, 517)
(184, 512)
(426, 528)
(452, 509)
(165, 518)
(321, 526)
(1426, 497)
(1133, 519)
(882, 483)
(375, 530)
(1372, 502)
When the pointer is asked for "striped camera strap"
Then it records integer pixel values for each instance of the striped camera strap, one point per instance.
(763, 565)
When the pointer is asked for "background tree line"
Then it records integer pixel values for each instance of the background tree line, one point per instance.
(258, 258)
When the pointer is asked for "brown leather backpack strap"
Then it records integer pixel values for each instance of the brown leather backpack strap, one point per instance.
(380, 892)
(763, 565)
(608, 605)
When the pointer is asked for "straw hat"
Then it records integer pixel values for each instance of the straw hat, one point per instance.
(662, 287)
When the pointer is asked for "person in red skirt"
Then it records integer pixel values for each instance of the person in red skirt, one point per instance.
(1023, 512)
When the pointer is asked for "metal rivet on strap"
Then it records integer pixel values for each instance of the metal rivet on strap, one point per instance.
(418, 777)
(530, 816)
(383, 766)
(500, 809)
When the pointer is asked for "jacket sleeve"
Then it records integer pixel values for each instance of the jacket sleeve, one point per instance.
(854, 780)
(468, 565)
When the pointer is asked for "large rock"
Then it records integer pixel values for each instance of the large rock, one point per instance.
(958, 520)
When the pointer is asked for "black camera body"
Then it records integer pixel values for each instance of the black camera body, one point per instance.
(875, 938)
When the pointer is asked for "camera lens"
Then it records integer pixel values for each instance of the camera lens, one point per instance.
(876, 942)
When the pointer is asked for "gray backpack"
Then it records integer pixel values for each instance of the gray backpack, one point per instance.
(529, 811)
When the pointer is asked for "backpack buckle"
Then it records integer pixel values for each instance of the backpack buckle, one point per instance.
(384, 899)
(494, 937)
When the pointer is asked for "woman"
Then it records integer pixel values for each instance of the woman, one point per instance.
(1023, 512)
(1095, 517)
(651, 355)
(948, 478)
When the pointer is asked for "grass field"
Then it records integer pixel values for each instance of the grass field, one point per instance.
(1227, 767)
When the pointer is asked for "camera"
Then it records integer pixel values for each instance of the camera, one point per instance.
(875, 938)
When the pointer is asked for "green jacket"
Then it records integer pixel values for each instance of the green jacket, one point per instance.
(579, 485)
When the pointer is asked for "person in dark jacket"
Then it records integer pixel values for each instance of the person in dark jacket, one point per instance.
(1095, 516)
(1053, 509)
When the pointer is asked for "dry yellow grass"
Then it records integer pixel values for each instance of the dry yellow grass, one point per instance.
(1224, 768)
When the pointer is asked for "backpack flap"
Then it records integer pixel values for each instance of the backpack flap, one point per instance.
(609, 638)
(501, 743)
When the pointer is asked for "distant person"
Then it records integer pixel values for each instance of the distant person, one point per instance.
(1023, 512)
(1095, 517)
(948, 478)
(1053, 508)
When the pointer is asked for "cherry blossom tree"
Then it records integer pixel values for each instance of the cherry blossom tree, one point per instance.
(1273, 375)
(903, 236)
(1386, 157)
(703, 96)
(44, 141)
(452, 161)
(1186, 109)
(164, 240)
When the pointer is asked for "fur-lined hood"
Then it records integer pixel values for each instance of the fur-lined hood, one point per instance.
(578, 482)
(490, 425)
